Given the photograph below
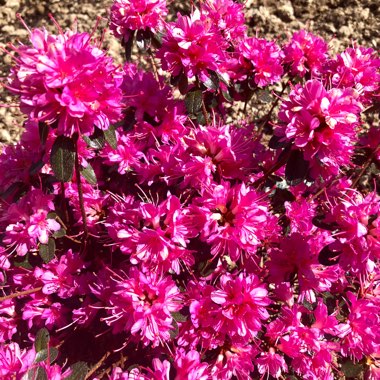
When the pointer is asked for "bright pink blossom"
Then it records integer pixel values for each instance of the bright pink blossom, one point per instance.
(193, 46)
(66, 81)
(128, 16)
(306, 54)
(265, 58)
(236, 219)
(321, 122)
(142, 305)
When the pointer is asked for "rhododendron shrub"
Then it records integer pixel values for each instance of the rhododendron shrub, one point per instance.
(207, 210)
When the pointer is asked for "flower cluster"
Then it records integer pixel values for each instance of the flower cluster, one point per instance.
(209, 211)
(128, 16)
(66, 81)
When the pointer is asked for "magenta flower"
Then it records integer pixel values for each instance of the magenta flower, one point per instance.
(28, 222)
(228, 16)
(234, 361)
(193, 46)
(272, 363)
(189, 366)
(358, 229)
(320, 123)
(298, 255)
(142, 305)
(242, 301)
(130, 15)
(265, 58)
(306, 54)
(224, 149)
(13, 360)
(361, 335)
(61, 276)
(237, 219)
(357, 68)
(66, 81)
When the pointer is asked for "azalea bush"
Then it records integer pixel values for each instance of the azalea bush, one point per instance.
(208, 210)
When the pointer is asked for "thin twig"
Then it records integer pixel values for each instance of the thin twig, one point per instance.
(365, 167)
(154, 66)
(97, 365)
(269, 114)
(20, 294)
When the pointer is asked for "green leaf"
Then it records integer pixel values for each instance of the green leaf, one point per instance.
(38, 373)
(42, 340)
(49, 354)
(43, 130)
(23, 263)
(89, 174)
(47, 251)
(193, 102)
(78, 371)
(212, 82)
(222, 79)
(51, 215)
(60, 233)
(352, 370)
(110, 136)
(179, 317)
(96, 140)
(227, 96)
(62, 158)
(128, 45)
(175, 331)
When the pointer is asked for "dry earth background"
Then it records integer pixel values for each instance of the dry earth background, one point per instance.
(339, 21)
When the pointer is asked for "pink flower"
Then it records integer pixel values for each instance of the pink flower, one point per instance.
(228, 148)
(61, 276)
(228, 16)
(234, 361)
(130, 15)
(306, 53)
(360, 334)
(142, 304)
(242, 301)
(272, 363)
(29, 222)
(357, 68)
(297, 255)
(66, 81)
(13, 360)
(265, 58)
(320, 123)
(236, 218)
(189, 366)
(193, 46)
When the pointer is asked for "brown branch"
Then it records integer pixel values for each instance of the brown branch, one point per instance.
(20, 294)
(269, 114)
(154, 66)
(365, 167)
(97, 365)
(204, 112)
